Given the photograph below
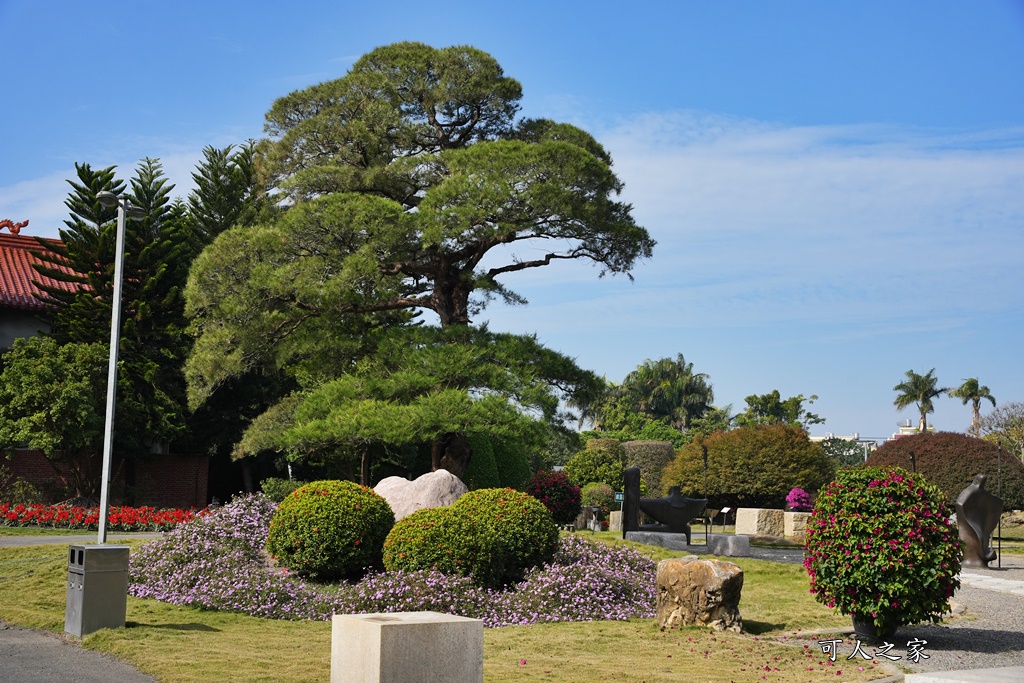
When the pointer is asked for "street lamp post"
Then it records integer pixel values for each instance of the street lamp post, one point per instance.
(124, 208)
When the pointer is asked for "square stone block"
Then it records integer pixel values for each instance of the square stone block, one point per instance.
(759, 522)
(406, 647)
(796, 523)
(615, 521)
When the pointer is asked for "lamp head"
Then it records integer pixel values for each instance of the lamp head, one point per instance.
(106, 198)
(136, 213)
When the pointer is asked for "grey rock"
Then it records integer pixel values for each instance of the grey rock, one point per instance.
(434, 489)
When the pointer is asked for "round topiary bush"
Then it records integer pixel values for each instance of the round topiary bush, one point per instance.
(425, 539)
(881, 547)
(596, 494)
(602, 460)
(329, 530)
(950, 461)
(491, 535)
(557, 493)
(504, 533)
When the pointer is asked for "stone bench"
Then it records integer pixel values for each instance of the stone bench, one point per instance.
(406, 647)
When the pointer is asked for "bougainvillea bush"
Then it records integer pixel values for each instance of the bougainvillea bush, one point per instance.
(798, 500)
(218, 562)
(558, 494)
(119, 518)
(881, 546)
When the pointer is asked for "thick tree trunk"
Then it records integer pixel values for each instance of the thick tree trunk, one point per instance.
(451, 452)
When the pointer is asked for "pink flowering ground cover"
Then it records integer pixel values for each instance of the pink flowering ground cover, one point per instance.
(218, 562)
(119, 518)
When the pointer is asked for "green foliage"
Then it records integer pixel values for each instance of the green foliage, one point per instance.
(950, 461)
(226, 193)
(277, 489)
(52, 398)
(880, 545)
(651, 457)
(596, 494)
(919, 390)
(666, 390)
(330, 530)
(16, 490)
(558, 494)
(973, 392)
(426, 539)
(602, 460)
(491, 535)
(513, 463)
(482, 471)
(641, 428)
(843, 452)
(750, 466)
(153, 344)
(770, 409)
(1005, 425)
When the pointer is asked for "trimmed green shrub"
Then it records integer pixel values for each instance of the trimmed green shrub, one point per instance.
(277, 489)
(482, 470)
(596, 494)
(329, 530)
(602, 460)
(651, 457)
(950, 461)
(491, 535)
(753, 466)
(557, 493)
(513, 464)
(424, 539)
(509, 531)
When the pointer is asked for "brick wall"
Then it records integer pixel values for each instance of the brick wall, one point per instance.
(163, 481)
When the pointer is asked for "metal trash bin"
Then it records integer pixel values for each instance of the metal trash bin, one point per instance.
(97, 593)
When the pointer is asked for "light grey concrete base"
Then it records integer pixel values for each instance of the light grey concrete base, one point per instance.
(406, 647)
(718, 544)
(760, 522)
(729, 546)
(1010, 674)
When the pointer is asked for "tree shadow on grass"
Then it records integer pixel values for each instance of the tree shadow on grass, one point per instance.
(177, 627)
(756, 628)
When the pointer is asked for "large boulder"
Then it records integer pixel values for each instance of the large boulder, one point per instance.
(434, 489)
(692, 591)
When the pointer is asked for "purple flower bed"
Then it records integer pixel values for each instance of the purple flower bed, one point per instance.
(217, 562)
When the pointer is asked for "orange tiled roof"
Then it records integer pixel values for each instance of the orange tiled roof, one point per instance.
(17, 273)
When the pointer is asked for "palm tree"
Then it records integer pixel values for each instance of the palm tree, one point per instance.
(668, 390)
(971, 391)
(919, 389)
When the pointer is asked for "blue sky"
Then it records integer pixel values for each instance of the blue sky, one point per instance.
(835, 187)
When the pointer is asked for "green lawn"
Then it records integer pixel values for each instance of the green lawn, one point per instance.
(179, 645)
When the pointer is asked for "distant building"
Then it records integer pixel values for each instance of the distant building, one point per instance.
(907, 430)
(20, 310)
(868, 444)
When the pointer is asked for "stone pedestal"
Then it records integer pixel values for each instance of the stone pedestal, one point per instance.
(760, 522)
(615, 521)
(795, 524)
(729, 546)
(406, 647)
(699, 592)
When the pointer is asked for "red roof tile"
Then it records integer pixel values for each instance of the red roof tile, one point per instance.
(17, 273)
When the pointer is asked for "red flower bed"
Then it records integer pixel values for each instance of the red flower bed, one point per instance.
(119, 518)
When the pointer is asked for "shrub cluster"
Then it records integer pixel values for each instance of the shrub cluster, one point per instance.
(330, 530)
(881, 546)
(277, 489)
(950, 461)
(216, 562)
(491, 535)
(602, 460)
(753, 466)
(596, 494)
(559, 495)
(651, 457)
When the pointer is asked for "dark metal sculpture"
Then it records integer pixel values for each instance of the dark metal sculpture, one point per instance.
(977, 515)
(673, 512)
